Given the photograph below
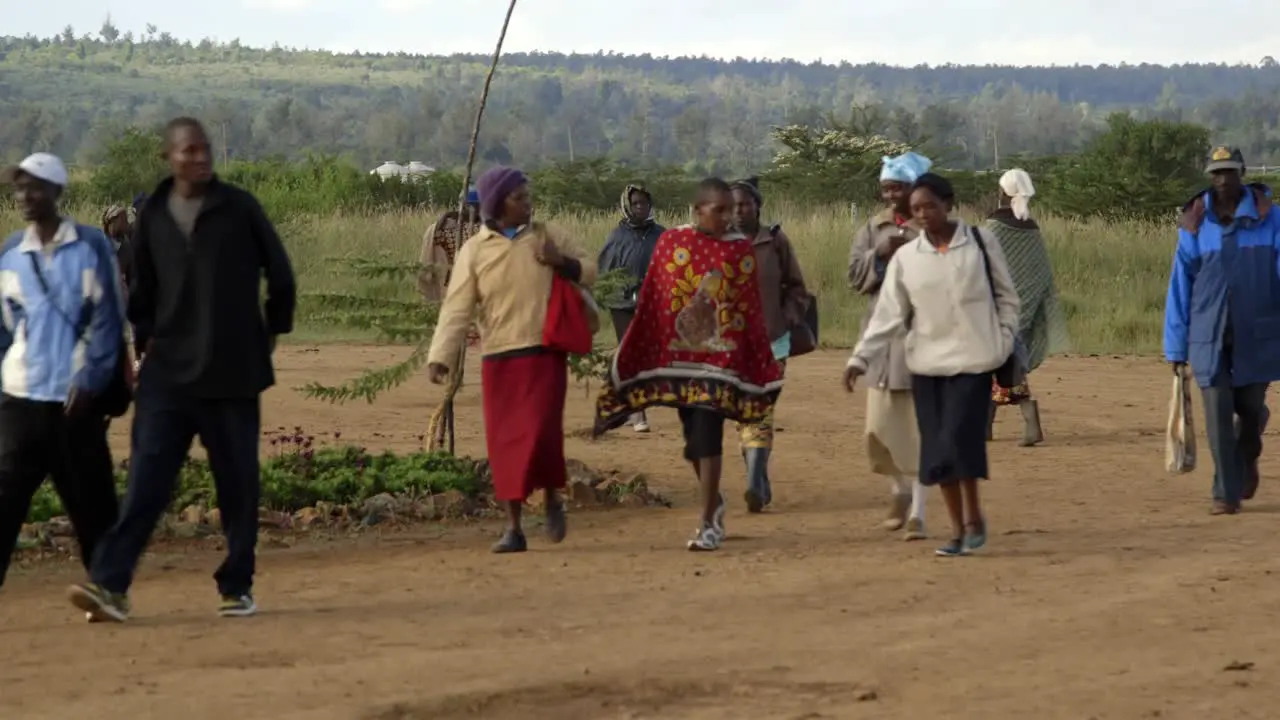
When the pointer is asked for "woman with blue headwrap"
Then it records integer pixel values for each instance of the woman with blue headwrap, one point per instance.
(893, 441)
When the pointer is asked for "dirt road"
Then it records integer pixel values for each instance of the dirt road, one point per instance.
(1106, 592)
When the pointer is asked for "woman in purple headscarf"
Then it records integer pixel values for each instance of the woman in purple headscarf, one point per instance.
(507, 270)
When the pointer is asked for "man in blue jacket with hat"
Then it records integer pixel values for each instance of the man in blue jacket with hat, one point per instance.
(1222, 316)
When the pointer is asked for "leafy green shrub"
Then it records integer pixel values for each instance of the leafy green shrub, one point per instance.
(300, 476)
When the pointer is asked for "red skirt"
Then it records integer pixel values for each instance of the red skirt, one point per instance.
(524, 422)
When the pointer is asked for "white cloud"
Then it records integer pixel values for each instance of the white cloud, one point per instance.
(288, 6)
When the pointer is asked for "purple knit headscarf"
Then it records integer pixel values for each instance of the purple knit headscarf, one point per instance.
(494, 186)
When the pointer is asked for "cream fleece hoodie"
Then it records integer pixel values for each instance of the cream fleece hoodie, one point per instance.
(954, 324)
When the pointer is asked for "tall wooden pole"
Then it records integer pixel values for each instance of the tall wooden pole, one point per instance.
(446, 428)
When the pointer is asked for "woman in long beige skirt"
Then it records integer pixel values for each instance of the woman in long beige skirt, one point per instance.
(893, 441)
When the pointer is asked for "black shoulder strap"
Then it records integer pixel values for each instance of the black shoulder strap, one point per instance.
(976, 236)
(48, 296)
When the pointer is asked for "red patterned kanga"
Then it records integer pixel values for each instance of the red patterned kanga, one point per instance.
(698, 338)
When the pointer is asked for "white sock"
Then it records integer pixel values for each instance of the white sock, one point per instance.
(918, 494)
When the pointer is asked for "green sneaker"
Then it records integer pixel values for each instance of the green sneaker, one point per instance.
(234, 606)
(100, 604)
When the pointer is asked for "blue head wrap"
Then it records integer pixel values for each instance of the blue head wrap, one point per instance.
(905, 168)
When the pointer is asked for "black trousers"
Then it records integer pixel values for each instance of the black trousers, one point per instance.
(621, 321)
(38, 440)
(164, 425)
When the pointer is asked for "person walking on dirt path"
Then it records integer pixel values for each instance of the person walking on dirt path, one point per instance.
(698, 343)
(439, 246)
(1043, 327)
(509, 271)
(951, 289)
(784, 300)
(60, 333)
(205, 339)
(1224, 296)
(629, 247)
(893, 443)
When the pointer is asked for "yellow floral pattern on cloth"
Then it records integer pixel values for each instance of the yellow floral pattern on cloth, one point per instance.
(708, 305)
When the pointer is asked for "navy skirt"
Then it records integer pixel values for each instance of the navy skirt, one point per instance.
(951, 413)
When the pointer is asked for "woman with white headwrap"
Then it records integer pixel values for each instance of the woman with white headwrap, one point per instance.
(1042, 325)
(893, 441)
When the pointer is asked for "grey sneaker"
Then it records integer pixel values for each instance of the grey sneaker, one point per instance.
(100, 604)
(717, 519)
(235, 606)
(707, 539)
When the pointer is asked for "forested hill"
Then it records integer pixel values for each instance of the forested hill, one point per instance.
(70, 93)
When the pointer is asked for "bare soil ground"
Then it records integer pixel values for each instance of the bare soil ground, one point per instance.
(1107, 591)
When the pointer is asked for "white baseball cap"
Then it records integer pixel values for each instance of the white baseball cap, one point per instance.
(43, 166)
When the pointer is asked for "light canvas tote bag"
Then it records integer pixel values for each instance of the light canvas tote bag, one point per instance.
(1180, 436)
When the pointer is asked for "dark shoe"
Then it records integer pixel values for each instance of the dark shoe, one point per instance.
(237, 606)
(557, 524)
(755, 503)
(100, 604)
(1251, 480)
(1032, 434)
(954, 548)
(975, 536)
(1221, 507)
(512, 542)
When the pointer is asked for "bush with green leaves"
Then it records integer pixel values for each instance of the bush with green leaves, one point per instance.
(301, 475)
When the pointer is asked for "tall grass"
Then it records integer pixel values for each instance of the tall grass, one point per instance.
(1111, 276)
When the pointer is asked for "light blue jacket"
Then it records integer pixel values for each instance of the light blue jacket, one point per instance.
(65, 337)
(1226, 276)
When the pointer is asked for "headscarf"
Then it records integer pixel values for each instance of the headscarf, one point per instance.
(1017, 185)
(627, 217)
(904, 168)
(116, 211)
(494, 186)
(751, 186)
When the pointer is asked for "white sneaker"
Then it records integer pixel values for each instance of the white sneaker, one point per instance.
(707, 539)
(641, 426)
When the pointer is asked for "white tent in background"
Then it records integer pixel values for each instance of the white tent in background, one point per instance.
(388, 169)
(418, 169)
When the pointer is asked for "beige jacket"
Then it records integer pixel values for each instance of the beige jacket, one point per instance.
(868, 255)
(503, 279)
(782, 292)
(954, 321)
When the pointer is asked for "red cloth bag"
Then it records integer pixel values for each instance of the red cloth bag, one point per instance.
(566, 328)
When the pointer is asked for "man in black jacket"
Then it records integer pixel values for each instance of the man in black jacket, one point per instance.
(201, 249)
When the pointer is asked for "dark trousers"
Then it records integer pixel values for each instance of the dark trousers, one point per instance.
(1234, 418)
(621, 321)
(38, 440)
(164, 425)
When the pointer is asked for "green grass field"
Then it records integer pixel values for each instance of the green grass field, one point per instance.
(1111, 277)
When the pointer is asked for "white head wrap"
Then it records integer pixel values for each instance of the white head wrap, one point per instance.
(1017, 185)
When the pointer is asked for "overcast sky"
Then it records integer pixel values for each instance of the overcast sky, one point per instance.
(1038, 32)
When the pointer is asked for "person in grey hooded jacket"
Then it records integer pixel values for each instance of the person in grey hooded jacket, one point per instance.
(629, 248)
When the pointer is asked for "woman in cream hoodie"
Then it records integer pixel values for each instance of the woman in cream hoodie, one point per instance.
(950, 288)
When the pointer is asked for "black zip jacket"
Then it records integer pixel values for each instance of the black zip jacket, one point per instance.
(196, 306)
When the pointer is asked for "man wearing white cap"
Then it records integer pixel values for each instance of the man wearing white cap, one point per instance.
(60, 334)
